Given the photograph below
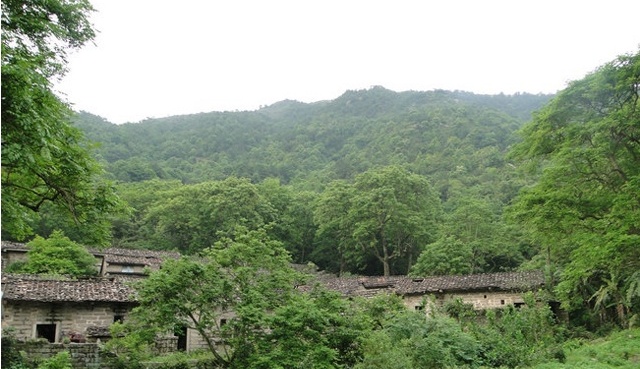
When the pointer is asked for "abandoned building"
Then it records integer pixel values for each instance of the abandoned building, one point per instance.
(483, 291)
(58, 309)
(79, 310)
(109, 262)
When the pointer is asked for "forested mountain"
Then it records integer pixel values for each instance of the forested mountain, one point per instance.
(289, 152)
(298, 142)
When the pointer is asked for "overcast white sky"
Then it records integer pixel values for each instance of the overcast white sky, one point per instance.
(156, 58)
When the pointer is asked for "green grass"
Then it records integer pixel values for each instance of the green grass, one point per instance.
(620, 350)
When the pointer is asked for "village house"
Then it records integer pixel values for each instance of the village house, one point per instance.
(78, 310)
(109, 262)
(58, 309)
(482, 291)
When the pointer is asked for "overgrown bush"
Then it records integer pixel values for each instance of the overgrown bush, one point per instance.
(413, 340)
(11, 356)
(514, 337)
(62, 360)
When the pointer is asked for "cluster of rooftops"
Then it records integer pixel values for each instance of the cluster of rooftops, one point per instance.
(118, 267)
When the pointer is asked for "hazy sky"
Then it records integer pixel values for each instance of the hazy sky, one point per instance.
(155, 58)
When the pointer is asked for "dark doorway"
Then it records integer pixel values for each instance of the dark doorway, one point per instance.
(181, 333)
(46, 331)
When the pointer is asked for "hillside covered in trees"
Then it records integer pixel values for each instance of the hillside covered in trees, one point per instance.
(289, 157)
(298, 142)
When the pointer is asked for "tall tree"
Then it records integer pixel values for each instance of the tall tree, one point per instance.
(293, 224)
(390, 214)
(192, 218)
(333, 251)
(243, 277)
(43, 158)
(585, 209)
(472, 240)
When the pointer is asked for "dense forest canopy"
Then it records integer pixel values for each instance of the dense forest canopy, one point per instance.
(44, 162)
(295, 141)
(275, 165)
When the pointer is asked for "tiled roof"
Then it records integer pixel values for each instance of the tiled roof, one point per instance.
(48, 289)
(9, 245)
(114, 255)
(137, 257)
(367, 286)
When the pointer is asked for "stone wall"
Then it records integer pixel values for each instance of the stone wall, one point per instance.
(116, 268)
(24, 317)
(479, 300)
(83, 355)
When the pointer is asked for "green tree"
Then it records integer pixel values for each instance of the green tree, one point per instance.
(410, 340)
(245, 276)
(43, 157)
(391, 215)
(61, 360)
(319, 329)
(472, 240)
(334, 251)
(56, 255)
(584, 210)
(194, 217)
(293, 224)
(131, 229)
(448, 255)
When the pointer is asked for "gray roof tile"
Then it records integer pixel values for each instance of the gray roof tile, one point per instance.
(50, 289)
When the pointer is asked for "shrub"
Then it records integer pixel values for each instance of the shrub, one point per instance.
(62, 360)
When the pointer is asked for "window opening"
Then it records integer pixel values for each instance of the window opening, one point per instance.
(46, 331)
(181, 333)
(127, 269)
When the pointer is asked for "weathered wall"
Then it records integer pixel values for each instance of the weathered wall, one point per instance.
(479, 300)
(117, 268)
(10, 256)
(22, 317)
(83, 355)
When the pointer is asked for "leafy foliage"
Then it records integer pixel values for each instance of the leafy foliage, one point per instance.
(61, 360)
(56, 255)
(192, 218)
(295, 152)
(619, 350)
(242, 277)
(316, 330)
(508, 338)
(44, 159)
(390, 213)
(11, 356)
(583, 211)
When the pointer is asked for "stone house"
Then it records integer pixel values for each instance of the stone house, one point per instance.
(57, 308)
(109, 262)
(483, 291)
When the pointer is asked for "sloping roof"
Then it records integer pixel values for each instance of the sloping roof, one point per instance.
(49, 289)
(114, 255)
(9, 245)
(401, 285)
(148, 258)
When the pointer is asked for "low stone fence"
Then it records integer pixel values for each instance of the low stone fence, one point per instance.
(83, 355)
